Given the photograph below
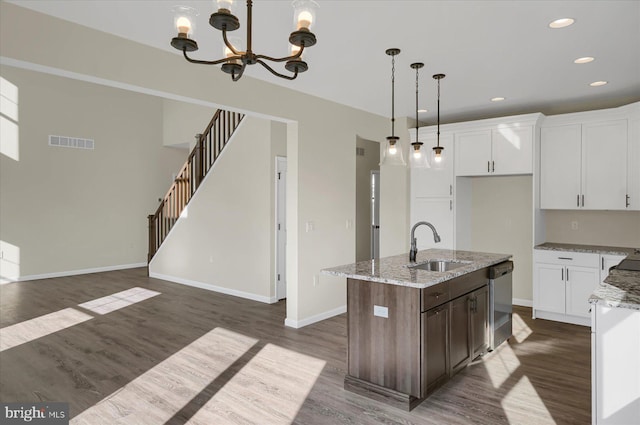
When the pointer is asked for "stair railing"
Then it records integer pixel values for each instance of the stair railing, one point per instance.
(201, 159)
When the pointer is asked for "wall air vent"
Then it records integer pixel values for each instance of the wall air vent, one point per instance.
(359, 151)
(70, 142)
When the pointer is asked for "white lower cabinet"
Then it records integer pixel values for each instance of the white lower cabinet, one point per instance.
(562, 284)
(615, 365)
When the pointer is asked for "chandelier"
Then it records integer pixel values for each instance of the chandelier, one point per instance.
(236, 60)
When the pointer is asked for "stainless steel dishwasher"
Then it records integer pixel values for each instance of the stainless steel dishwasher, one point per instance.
(500, 303)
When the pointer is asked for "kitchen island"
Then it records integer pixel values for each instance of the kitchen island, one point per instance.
(615, 346)
(413, 325)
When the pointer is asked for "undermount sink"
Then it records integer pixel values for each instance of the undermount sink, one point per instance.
(440, 265)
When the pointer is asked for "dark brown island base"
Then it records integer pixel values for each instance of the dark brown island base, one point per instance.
(412, 326)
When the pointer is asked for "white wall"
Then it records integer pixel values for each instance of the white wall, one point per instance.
(501, 222)
(64, 209)
(182, 121)
(321, 177)
(609, 228)
(224, 238)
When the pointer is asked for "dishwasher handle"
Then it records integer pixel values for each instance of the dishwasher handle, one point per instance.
(500, 270)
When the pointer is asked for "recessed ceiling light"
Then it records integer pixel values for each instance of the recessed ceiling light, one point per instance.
(497, 99)
(598, 83)
(561, 23)
(422, 110)
(585, 59)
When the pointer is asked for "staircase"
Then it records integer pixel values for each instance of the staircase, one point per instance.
(201, 159)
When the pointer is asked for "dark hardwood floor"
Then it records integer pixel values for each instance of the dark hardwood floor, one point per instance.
(198, 357)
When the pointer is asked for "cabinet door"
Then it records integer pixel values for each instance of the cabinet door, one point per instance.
(581, 282)
(604, 165)
(435, 366)
(432, 182)
(608, 261)
(460, 339)
(439, 212)
(473, 153)
(479, 321)
(512, 150)
(633, 164)
(560, 165)
(549, 291)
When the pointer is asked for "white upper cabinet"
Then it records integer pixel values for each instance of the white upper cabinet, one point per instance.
(604, 165)
(501, 150)
(560, 167)
(633, 167)
(512, 150)
(432, 182)
(584, 166)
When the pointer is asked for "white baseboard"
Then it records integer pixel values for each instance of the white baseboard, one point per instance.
(313, 319)
(214, 288)
(522, 302)
(74, 272)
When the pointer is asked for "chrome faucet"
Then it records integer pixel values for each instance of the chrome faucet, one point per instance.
(414, 248)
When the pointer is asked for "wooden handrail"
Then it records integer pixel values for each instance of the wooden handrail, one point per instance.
(201, 159)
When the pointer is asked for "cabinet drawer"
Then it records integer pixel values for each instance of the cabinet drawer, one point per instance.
(467, 283)
(567, 258)
(435, 295)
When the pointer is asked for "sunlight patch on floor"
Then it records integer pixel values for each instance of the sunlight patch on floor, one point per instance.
(272, 386)
(158, 394)
(29, 330)
(118, 300)
(501, 364)
(523, 401)
(520, 329)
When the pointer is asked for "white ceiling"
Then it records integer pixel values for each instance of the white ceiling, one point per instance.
(486, 49)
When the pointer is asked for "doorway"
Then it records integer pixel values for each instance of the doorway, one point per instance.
(281, 227)
(367, 163)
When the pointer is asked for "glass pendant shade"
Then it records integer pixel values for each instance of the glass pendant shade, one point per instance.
(418, 157)
(304, 14)
(184, 20)
(225, 6)
(438, 158)
(393, 153)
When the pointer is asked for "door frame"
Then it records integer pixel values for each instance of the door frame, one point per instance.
(280, 167)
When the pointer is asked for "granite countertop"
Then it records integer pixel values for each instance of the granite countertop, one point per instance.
(620, 289)
(594, 249)
(394, 270)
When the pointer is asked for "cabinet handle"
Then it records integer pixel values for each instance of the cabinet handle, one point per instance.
(450, 205)
(602, 263)
(451, 190)
(567, 275)
(583, 200)
(627, 201)
(562, 273)
(493, 166)
(578, 201)
(488, 163)
(565, 258)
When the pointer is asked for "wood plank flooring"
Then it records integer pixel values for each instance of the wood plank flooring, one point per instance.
(190, 356)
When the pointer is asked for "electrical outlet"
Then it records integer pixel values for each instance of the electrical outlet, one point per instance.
(315, 280)
(574, 225)
(349, 224)
(211, 258)
(309, 226)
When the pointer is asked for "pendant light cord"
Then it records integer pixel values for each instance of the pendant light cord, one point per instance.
(438, 113)
(417, 123)
(393, 80)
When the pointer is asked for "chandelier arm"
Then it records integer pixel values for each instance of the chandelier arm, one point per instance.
(235, 77)
(277, 74)
(228, 44)
(284, 59)
(201, 62)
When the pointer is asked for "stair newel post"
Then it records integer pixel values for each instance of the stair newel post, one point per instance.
(152, 237)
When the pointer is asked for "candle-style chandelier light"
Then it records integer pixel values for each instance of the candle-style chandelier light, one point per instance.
(236, 60)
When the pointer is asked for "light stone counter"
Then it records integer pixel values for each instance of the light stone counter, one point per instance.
(593, 249)
(394, 270)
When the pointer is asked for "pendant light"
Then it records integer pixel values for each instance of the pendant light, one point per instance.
(437, 154)
(418, 158)
(393, 151)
